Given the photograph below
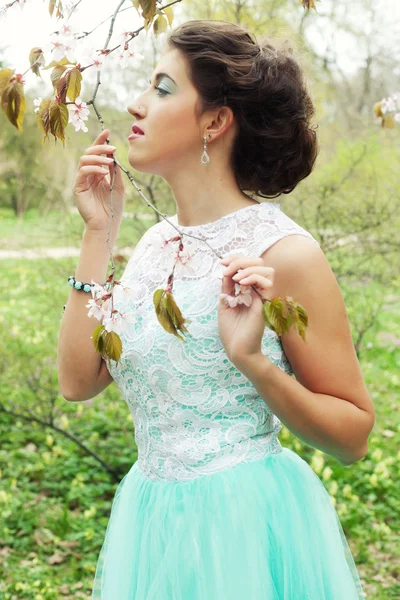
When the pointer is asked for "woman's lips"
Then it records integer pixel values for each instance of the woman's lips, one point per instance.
(137, 132)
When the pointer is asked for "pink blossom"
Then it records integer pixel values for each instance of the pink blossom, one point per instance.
(129, 58)
(96, 311)
(78, 113)
(61, 47)
(101, 309)
(12, 7)
(124, 37)
(37, 103)
(182, 264)
(67, 30)
(391, 106)
(242, 296)
(164, 247)
(89, 56)
(118, 322)
(97, 290)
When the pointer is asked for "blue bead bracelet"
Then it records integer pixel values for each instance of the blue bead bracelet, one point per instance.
(82, 287)
(79, 285)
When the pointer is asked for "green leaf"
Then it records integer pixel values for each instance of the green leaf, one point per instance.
(52, 5)
(5, 76)
(149, 9)
(113, 345)
(169, 13)
(43, 116)
(58, 63)
(58, 120)
(273, 315)
(56, 75)
(97, 337)
(169, 314)
(36, 60)
(56, 4)
(13, 102)
(160, 25)
(74, 79)
(299, 316)
(276, 320)
(70, 85)
(309, 4)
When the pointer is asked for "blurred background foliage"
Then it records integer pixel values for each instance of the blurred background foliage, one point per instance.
(60, 462)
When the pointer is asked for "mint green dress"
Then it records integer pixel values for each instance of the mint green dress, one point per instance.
(214, 508)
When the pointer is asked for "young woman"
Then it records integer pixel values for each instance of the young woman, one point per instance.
(215, 508)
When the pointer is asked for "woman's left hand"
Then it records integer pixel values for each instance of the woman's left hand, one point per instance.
(241, 327)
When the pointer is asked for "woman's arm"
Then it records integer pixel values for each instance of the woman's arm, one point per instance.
(82, 373)
(328, 405)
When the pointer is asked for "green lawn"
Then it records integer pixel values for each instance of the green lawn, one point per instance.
(55, 497)
(56, 231)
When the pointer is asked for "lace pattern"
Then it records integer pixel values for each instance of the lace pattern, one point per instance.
(194, 413)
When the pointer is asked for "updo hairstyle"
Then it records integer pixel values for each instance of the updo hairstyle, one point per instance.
(276, 147)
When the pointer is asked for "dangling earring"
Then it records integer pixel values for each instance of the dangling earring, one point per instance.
(205, 159)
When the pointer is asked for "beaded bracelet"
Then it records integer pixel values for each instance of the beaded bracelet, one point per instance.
(81, 287)
(78, 285)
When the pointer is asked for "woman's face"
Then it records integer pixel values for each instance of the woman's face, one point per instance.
(165, 112)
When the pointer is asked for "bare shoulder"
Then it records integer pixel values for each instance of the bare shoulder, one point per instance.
(326, 362)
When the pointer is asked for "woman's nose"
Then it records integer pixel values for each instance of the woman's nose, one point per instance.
(136, 110)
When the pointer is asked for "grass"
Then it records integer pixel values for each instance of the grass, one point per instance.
(53, 231)
(55, 498)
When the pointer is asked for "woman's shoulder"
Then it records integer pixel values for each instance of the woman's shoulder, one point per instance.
(269, 225)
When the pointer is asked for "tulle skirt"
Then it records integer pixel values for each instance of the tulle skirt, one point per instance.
(263, 530)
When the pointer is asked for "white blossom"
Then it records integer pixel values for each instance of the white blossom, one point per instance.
(78, 113)
(242, 296)
(97, 290)
(19, 3)
(60, 47)
(123, 38)
(183, 265)
(129, 58)
(96, 311)
(67, 30)
(89, 56)
(37, 102)
(118, 322)
(391, 104)
(162, 246)
(101, 309)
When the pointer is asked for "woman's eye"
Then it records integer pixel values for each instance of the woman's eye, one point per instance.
(163, 92)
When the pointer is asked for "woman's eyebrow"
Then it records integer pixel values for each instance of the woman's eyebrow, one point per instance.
(159, 75)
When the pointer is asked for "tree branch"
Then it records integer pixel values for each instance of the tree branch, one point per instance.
(114, 474)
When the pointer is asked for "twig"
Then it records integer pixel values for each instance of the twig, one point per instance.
(67, 434)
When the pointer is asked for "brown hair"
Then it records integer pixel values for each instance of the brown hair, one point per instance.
(263, 85)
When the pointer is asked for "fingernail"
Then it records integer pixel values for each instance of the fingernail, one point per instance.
(112, 147)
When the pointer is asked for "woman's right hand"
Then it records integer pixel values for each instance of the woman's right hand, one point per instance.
(92, 187)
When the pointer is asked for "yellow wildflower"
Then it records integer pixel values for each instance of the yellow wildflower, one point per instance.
(317, 463)
(347, 491)
(333, 488)
(326, 473)
(373, 479)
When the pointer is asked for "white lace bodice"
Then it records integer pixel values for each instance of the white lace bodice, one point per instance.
(194, 413)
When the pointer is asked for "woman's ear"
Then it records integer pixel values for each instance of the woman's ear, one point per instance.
(222, 122)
